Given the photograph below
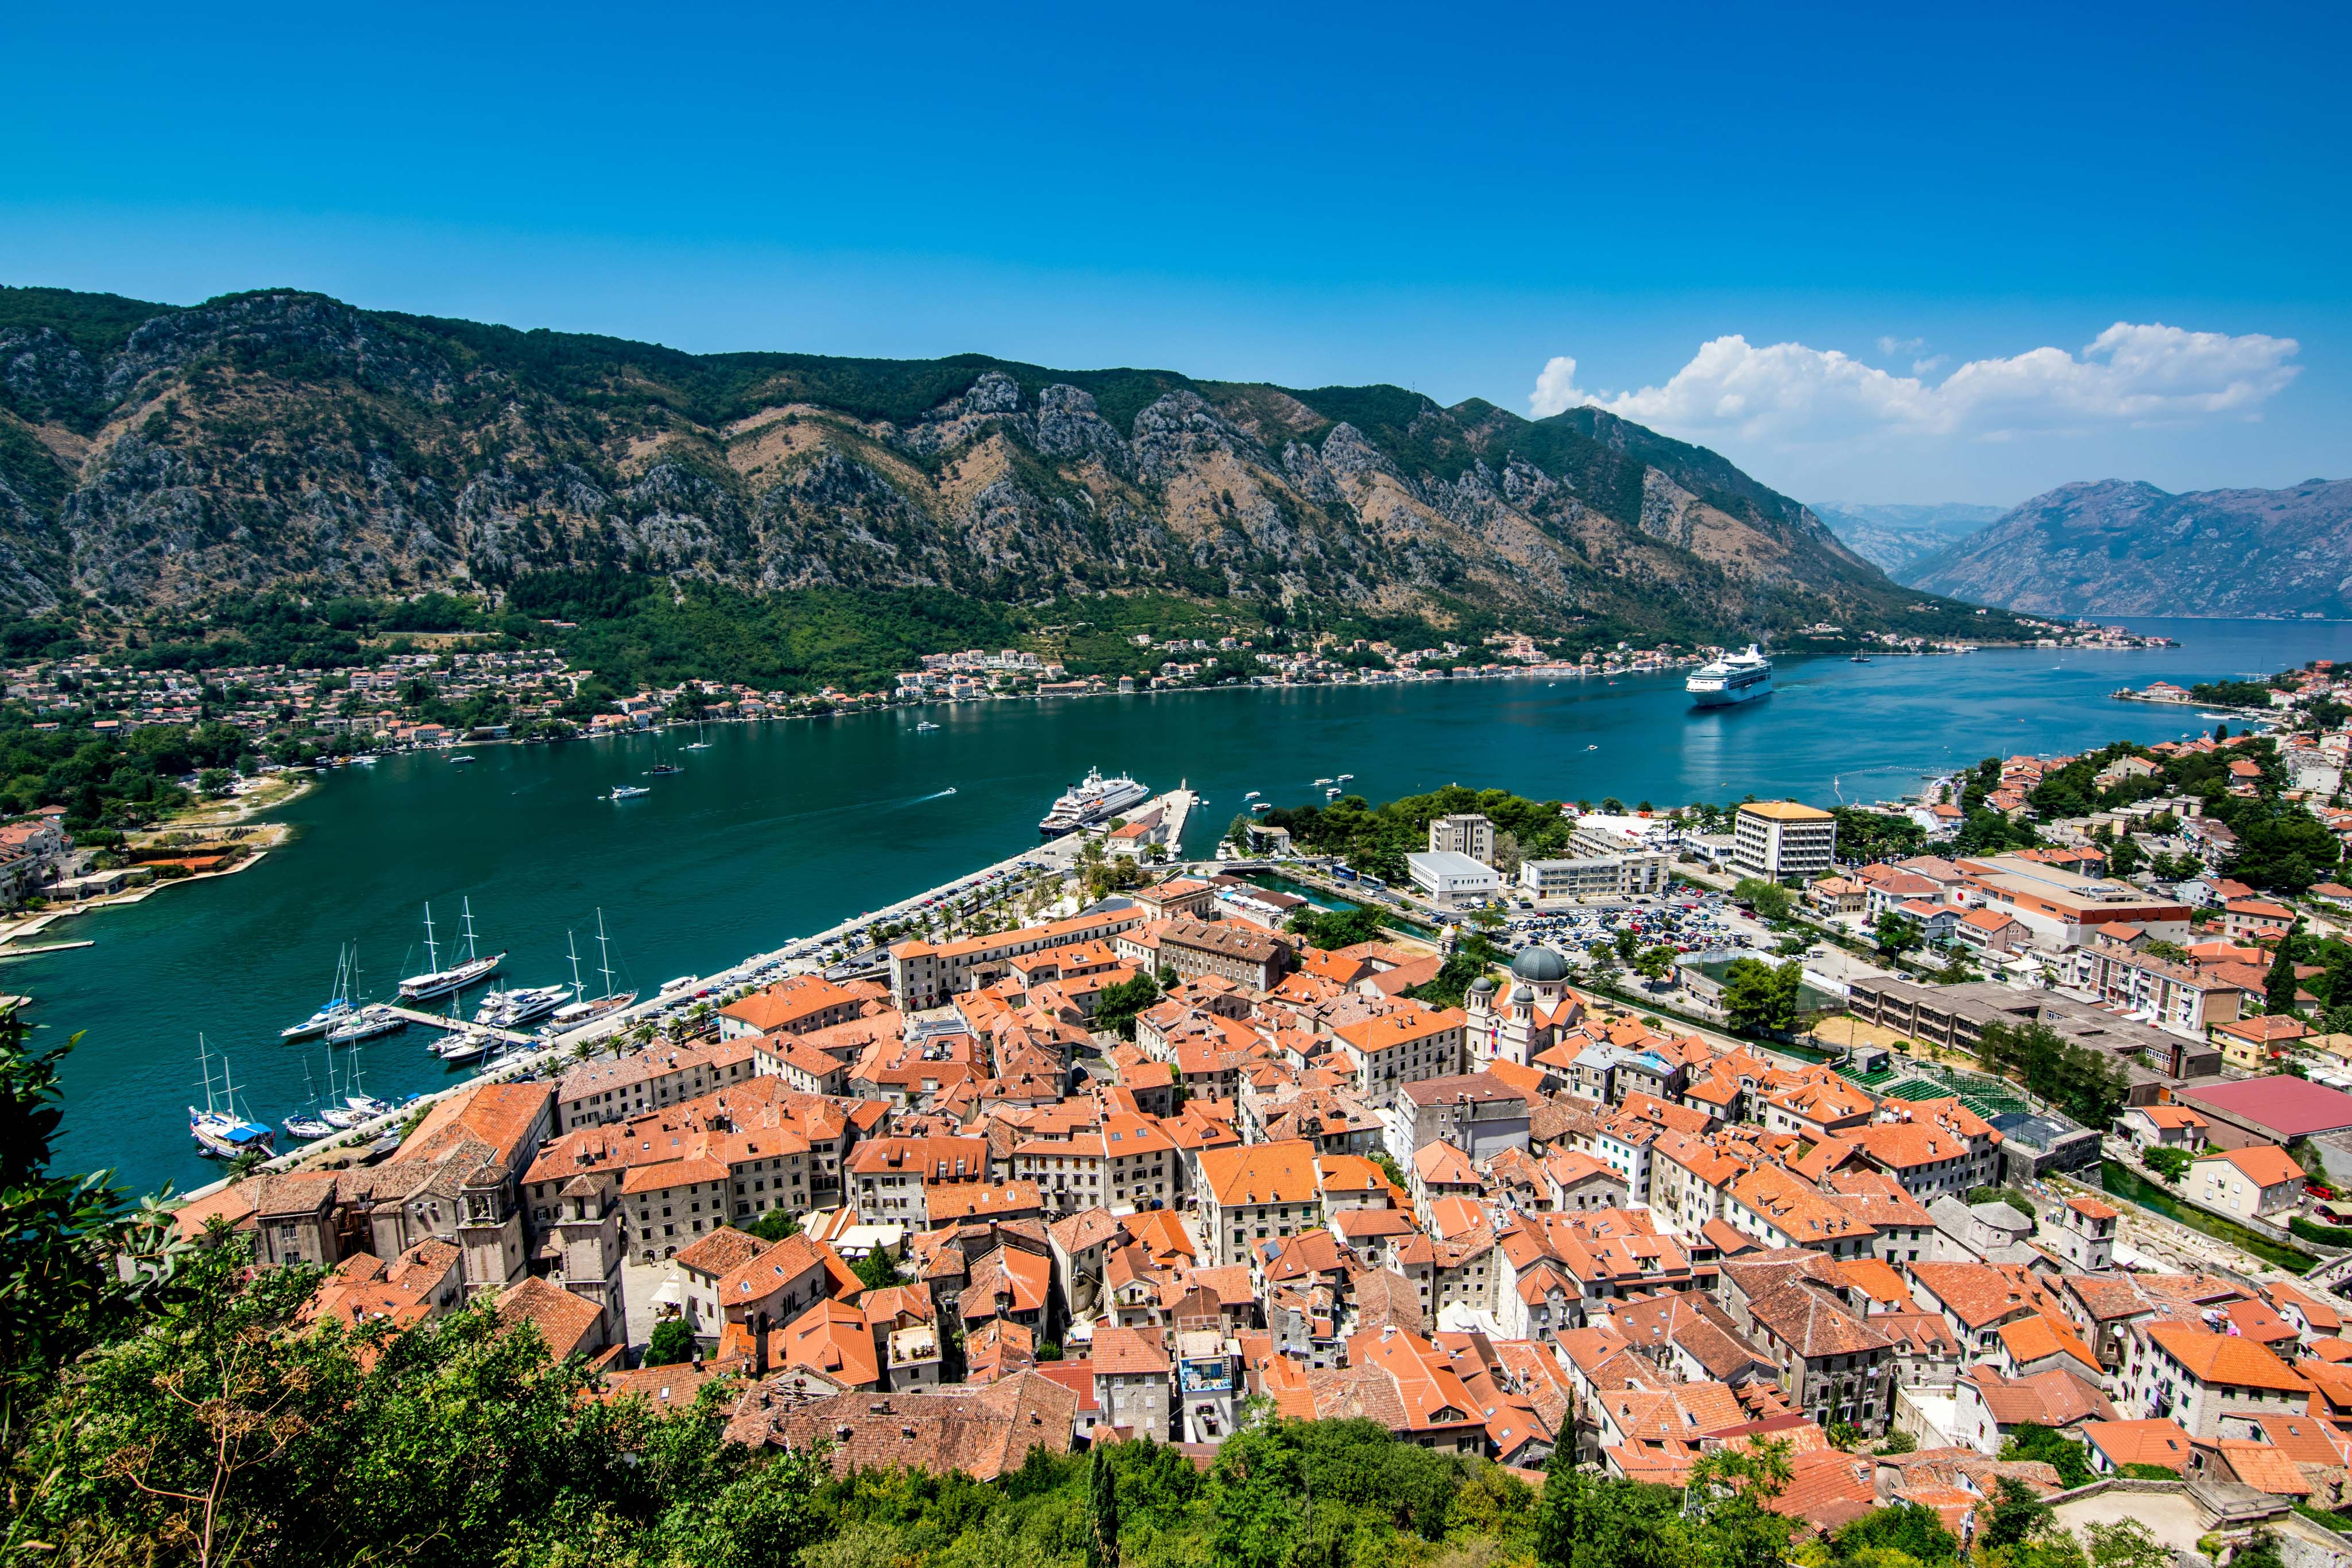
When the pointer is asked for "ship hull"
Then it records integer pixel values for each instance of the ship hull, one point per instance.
(1731, 698)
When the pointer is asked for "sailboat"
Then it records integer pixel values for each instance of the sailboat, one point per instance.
(219, 1129)
(366, 1105)
(308, 1124)
(335, 1113)
(437, 981)
(337, 1006)
(574, 1014)
(697, 743)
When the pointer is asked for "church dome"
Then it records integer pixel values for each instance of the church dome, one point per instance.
(1521, 995)
(1482, 984)
(1543, 966)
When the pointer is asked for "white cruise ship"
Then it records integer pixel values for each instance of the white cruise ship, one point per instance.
(1734, 678)
(1091, 799)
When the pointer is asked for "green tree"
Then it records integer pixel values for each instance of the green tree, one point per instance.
(1558, 1510)
(1909, 1528)
(2017, 1514)
(2127, 1544)
(1759, 999)
(2279, 984)
(2170, 1163)
(1116, 1005)
(1898, 933)
(2028, 1440)
(772, 1225)
(671, 1343)
(1769, 899)
(1656, 962)
(1102, 1511)
(877, 1270)
(61, 1238)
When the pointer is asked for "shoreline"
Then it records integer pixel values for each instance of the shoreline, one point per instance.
(739, 973)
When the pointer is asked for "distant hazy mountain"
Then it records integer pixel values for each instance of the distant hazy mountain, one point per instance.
(1892, 538)
(2122, 548)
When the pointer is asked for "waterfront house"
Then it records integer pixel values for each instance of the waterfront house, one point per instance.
(2259, 1179)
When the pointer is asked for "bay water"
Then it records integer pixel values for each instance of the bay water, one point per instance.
(785, 828)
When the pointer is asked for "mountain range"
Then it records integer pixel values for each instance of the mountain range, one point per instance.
(1892, 537)
(154, 456)
(2121, 547)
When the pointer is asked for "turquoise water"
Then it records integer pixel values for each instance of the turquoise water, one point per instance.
(784, 828)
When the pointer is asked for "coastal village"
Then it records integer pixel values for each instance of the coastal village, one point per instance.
(1162, 1166)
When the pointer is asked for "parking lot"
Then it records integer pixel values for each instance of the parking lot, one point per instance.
(1688, 921)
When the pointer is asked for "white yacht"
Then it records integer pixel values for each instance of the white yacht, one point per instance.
(1092, 799)
(1734, 678)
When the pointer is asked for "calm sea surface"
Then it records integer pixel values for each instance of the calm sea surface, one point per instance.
(782, 829)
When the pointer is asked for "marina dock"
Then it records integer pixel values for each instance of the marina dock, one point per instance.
(444, 1021)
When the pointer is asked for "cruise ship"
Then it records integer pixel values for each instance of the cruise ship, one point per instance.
(1092, 799)
(1734, 678)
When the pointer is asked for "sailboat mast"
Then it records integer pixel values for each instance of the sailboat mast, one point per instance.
(606, 949)
(572, 943)
(432, 952)
(469, 929)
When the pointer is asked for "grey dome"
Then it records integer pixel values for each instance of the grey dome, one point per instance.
(1521, 994)
(1482, 984)
(1542, 965)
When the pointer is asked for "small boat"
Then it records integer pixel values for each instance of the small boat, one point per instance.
(949, 791)
(1859, 658)
(1249, 794)
(437, 981)
(1262, 806)
(683, 983)
(461, 757)
(626, 792)
(366, 759)
(366, 1023)
(1321, 782)
(1332, 793)
(1345, 777)
(307, 1124)
(465, 1045)
(333, 1010)
(308, 1127)
(697, 743)
(925, 725)
(663, 769)
(1592, 747)
(220, 1130)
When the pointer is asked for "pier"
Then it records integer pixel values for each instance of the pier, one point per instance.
(444, 1021)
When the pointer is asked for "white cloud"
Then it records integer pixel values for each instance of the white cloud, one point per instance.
(1930, 365)
(1556, 388)
(1892, 345)
(1790, 395)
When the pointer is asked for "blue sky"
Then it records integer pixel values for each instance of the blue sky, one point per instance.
(1872, 254)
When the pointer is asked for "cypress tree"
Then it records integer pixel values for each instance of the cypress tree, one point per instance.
(1102, 1511)
(2278, 991)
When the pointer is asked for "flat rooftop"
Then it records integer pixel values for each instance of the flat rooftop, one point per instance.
(2289, 1106)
